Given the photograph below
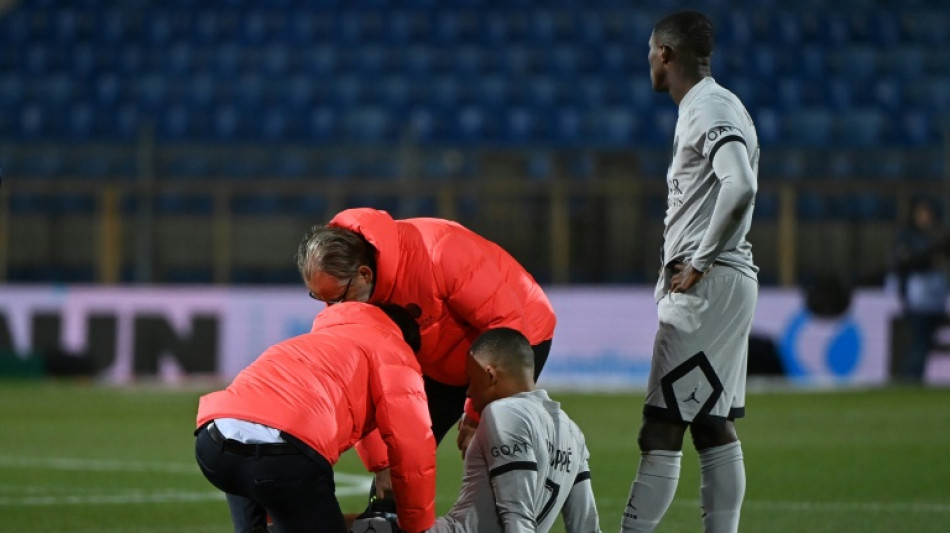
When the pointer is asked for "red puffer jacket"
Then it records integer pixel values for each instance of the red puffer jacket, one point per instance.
(460, 282)
(331, 387)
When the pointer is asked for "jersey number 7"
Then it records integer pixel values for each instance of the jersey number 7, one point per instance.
(554, 488)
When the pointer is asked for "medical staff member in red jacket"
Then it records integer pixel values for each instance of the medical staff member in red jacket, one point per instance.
(269, 440)
(456, 283)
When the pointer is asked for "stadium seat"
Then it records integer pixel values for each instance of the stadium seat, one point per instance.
(618, 127)
(916, 128)
(808, 128)
(472, 125)
(569, 127)
(368, 124)
(861, 128)
(768, 126)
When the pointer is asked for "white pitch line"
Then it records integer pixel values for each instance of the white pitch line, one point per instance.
(812, 506)
(868, 507)
(352, 484)
(137, 497)
(96, 465)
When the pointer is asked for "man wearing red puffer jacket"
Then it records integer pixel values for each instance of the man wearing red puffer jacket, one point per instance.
(270, 439)
(456, 284)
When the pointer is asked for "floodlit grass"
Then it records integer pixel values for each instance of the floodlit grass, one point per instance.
(78, 457)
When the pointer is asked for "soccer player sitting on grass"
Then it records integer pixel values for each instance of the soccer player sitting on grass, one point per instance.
(527, 461)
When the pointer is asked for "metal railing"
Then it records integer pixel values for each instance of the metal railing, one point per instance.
(605, 227)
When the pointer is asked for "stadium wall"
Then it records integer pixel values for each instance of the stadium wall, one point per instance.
(603, 339)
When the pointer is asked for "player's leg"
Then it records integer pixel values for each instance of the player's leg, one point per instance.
(223, 469)
(660, 441)
(446, 404)
(722, 472)
(247, 515)
(298, 493)
(713, 431)
(541, 351)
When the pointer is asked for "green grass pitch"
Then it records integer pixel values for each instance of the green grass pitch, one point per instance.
(85, 458)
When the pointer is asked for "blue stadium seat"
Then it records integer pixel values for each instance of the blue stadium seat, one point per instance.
(346, 91)
(790, 94)
(916, 128)
(764, 61)
(808, 128)
(294, 165)
(590, 26)
(618, 126)
(856, 62)
(926, 26)
(786, 29)
(338, 167)
(368, 125)
(888, 94)
(275, 123)
(231, 122)
(444, 92)
(34, 121)
(569, 125)
(939, 91)
(81, 122)
(15, 28)
(590, 92)
(406, 26)
(472, 125)
(521, 125)
(840, 94)
(179, 121)
(768, 126)
(735, 28)
(492, 91)
(13, 89)
(426, 124)
(663, 127)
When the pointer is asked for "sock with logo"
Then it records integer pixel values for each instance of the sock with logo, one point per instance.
(652, 491)
(723, 487)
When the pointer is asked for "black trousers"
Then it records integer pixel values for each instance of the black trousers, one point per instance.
(295, 489)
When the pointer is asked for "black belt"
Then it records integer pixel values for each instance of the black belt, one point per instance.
(241, 448)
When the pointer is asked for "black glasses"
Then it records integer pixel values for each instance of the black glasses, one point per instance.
(342, 297)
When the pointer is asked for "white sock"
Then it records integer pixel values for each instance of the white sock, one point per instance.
(652, 491)
(723, 487)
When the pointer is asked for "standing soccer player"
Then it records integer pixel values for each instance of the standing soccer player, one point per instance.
(707, 291)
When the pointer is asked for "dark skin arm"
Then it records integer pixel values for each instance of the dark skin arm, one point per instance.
(684, 277)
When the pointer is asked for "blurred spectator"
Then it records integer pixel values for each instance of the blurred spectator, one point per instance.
(919, 266)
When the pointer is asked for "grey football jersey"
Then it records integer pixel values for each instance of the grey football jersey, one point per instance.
(526, 463)
(709, 117)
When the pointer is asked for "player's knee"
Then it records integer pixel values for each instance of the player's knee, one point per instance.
(661, 435)
(711, 433)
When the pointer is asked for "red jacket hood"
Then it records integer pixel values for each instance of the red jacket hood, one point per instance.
(380, 230)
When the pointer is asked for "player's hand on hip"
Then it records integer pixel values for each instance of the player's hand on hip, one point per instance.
(684, 277)
(466, 428)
